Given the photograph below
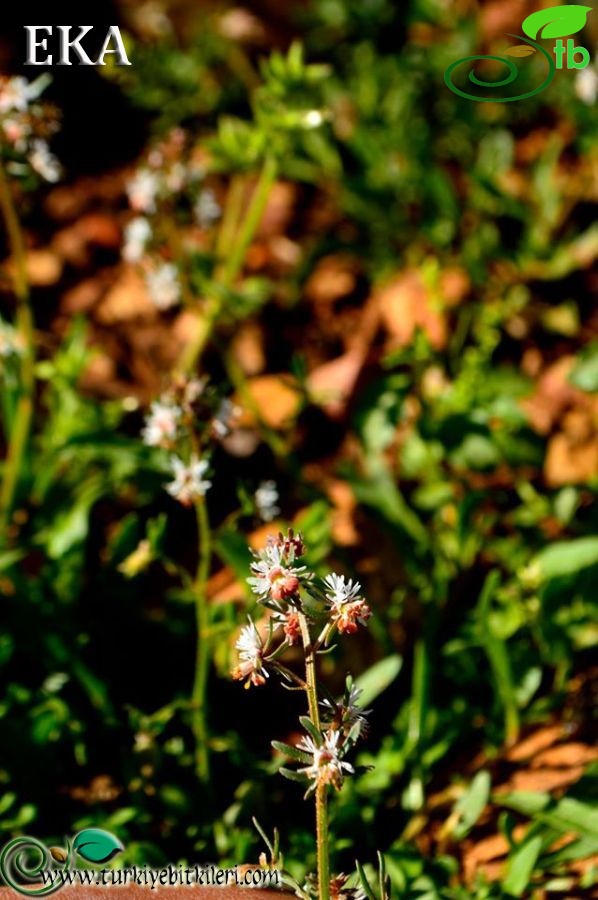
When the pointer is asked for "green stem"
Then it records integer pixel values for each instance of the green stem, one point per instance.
(322, 842)
(21, 427)
(234, 263)
(202, 659)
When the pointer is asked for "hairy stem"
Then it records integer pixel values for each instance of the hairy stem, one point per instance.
(323, 850)
(322, 843)
(18, 438)
(202, 660)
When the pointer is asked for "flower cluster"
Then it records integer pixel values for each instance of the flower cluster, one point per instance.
(299, 603)
(25, 126)
(185, 420)
(169, 186)
(292, 593)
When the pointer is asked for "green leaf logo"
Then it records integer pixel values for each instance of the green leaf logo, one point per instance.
(557, 22)
(96, 845)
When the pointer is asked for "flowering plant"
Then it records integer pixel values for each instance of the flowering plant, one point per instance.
(308, 611)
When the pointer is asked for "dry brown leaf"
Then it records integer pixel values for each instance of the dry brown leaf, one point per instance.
(344, 532)
(569, 462)
(127, 299)
(552, 396)
(44, 268)
(276, 398)
(331, 384)
(334, 277)
(572, 754)
(248, 347)
(539, 740)
(541, 780)
(279, 210)
(405, 305)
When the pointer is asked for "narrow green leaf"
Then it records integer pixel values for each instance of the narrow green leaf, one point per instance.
(471, 804)
(364, 881)
(376, 679)
(292, 752)
(291, 775)
(520, 866)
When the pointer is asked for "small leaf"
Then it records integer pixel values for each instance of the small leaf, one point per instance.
(59, 854)
(376, 679)
(311, 728)
(521, 865)
(96, 845)
(520, 50)
(557, 22)
(291, 775)
(292, 752)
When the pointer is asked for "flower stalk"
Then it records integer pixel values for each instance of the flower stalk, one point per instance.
(333, 727)
(199, 711)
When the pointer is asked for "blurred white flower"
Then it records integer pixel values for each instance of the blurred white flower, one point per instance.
(161, 424)
(207, 209)
(43, 161)
(16, 130)
(16, 93)
(586, 85)
(163, 285)
(137, 234)
(189, 483)
(266, 499)
(142, 191)
(221, 423)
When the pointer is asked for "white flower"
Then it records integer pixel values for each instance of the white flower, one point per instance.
(207, 209)
(339, 592)
(189, 483)
(348, 608)
(43, 161)
(16, 93)
(266, 499)
(271, 578)
(586, 85)
(326, 767)
(142, 191)
(251, 651)
(163, 285)
(221, 423)
(161, 424)
(137, 234)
